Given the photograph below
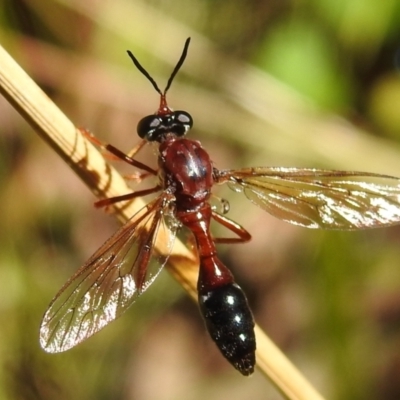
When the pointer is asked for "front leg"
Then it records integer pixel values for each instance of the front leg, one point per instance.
(118, 153)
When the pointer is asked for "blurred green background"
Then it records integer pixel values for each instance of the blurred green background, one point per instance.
(311, 83)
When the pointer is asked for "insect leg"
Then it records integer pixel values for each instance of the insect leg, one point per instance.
(125, 157)
(118, 154)
(137, 148)
(243, 235)
(129, 196)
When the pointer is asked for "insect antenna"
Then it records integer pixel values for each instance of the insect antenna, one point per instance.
(174, 72)
(178, 65)
(143, 71)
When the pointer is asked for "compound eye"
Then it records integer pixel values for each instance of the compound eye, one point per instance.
(147, 127)
(183, 122)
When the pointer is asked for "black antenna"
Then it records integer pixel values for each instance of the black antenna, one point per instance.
(174, 72)
(178, 65)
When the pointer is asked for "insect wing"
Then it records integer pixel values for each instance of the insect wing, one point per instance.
(111, 280)
(316, 198)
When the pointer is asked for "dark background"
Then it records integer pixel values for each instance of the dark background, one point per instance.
(312, 83)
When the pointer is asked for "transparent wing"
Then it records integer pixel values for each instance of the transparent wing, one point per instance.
(111, 280)
(320, 198)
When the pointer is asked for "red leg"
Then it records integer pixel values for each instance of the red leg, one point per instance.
(137, 148)
(129, 196)
(243, 235)
(118, 153)
(129, 160)
(137, 176)
(89, 136)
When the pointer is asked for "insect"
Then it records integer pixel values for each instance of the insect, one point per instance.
(126, 264)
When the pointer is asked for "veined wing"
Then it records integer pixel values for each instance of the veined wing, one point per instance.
(111, 280)
(317, 198)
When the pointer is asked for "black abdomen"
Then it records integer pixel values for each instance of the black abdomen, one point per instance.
(230, 323)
